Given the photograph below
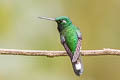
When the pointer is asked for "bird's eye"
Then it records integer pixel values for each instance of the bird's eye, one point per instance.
(60, 21)
(64, 21)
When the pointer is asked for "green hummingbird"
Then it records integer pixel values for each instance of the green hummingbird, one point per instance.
(71, 38)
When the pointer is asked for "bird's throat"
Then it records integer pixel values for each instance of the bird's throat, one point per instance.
(60, 27)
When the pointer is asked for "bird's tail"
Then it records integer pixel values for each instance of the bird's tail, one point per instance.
(78, 66)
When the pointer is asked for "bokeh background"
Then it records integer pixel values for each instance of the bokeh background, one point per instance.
(99, 22)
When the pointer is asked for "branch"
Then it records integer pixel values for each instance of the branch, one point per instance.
(57, 53)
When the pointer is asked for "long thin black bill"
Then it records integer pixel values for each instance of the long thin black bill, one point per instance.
(52, 19)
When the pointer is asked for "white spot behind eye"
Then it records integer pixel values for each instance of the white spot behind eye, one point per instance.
(64, 21)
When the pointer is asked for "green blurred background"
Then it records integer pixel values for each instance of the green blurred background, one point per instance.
(99, 22)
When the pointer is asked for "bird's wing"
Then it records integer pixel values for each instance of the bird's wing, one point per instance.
(69, 52)
(65, 46)
(77, 51)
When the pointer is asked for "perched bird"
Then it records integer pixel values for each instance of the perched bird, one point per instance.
(70, 37)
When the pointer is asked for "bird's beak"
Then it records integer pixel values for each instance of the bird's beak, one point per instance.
(52, 19)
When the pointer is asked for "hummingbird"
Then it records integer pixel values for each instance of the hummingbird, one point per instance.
(71, 38)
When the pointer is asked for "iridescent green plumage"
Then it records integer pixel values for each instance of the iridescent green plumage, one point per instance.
(71, 39)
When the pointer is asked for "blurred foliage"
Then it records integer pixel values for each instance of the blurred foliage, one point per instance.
(99, 22)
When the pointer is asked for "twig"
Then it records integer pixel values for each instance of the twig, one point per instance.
(57, 53)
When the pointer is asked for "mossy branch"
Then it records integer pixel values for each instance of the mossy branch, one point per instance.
(58, 53)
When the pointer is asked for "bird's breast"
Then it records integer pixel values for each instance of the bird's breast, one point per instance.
(71, 39)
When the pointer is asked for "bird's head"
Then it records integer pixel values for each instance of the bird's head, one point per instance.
(62, 20)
